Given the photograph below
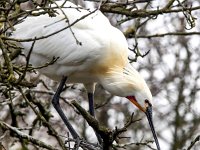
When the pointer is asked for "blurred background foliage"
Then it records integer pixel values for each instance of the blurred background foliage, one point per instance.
(164, 41)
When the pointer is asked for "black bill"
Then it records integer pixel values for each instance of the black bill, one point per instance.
(149, 117)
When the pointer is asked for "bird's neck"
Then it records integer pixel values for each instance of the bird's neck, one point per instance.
(116, 81)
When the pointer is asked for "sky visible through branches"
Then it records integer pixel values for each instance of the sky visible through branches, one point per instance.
(164, 41)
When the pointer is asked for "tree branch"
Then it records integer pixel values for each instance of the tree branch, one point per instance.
(22, 135)
(169, 34)
(197, 139)
(142, 13)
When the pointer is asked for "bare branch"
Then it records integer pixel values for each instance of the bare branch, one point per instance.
(143, 13)
(51, 34)
(197, 139)
(169, 34)
(22, 135)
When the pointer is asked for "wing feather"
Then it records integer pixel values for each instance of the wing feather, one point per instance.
(82, 43)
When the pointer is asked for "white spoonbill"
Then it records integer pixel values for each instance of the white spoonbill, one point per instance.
(89, 51)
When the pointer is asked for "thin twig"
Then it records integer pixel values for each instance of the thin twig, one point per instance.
(169, 34)
(26, 136)
(27, 63)
(197, 139)
(51, 34)
(45, 122)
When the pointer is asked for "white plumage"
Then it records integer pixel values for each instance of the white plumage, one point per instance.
(101, 57)
(90, 51)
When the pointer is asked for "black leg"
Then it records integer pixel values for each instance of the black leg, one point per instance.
(91, 104)
(56, 104)
(92, 112)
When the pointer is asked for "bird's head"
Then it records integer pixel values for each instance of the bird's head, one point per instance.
(141, 97)
(130, 84)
